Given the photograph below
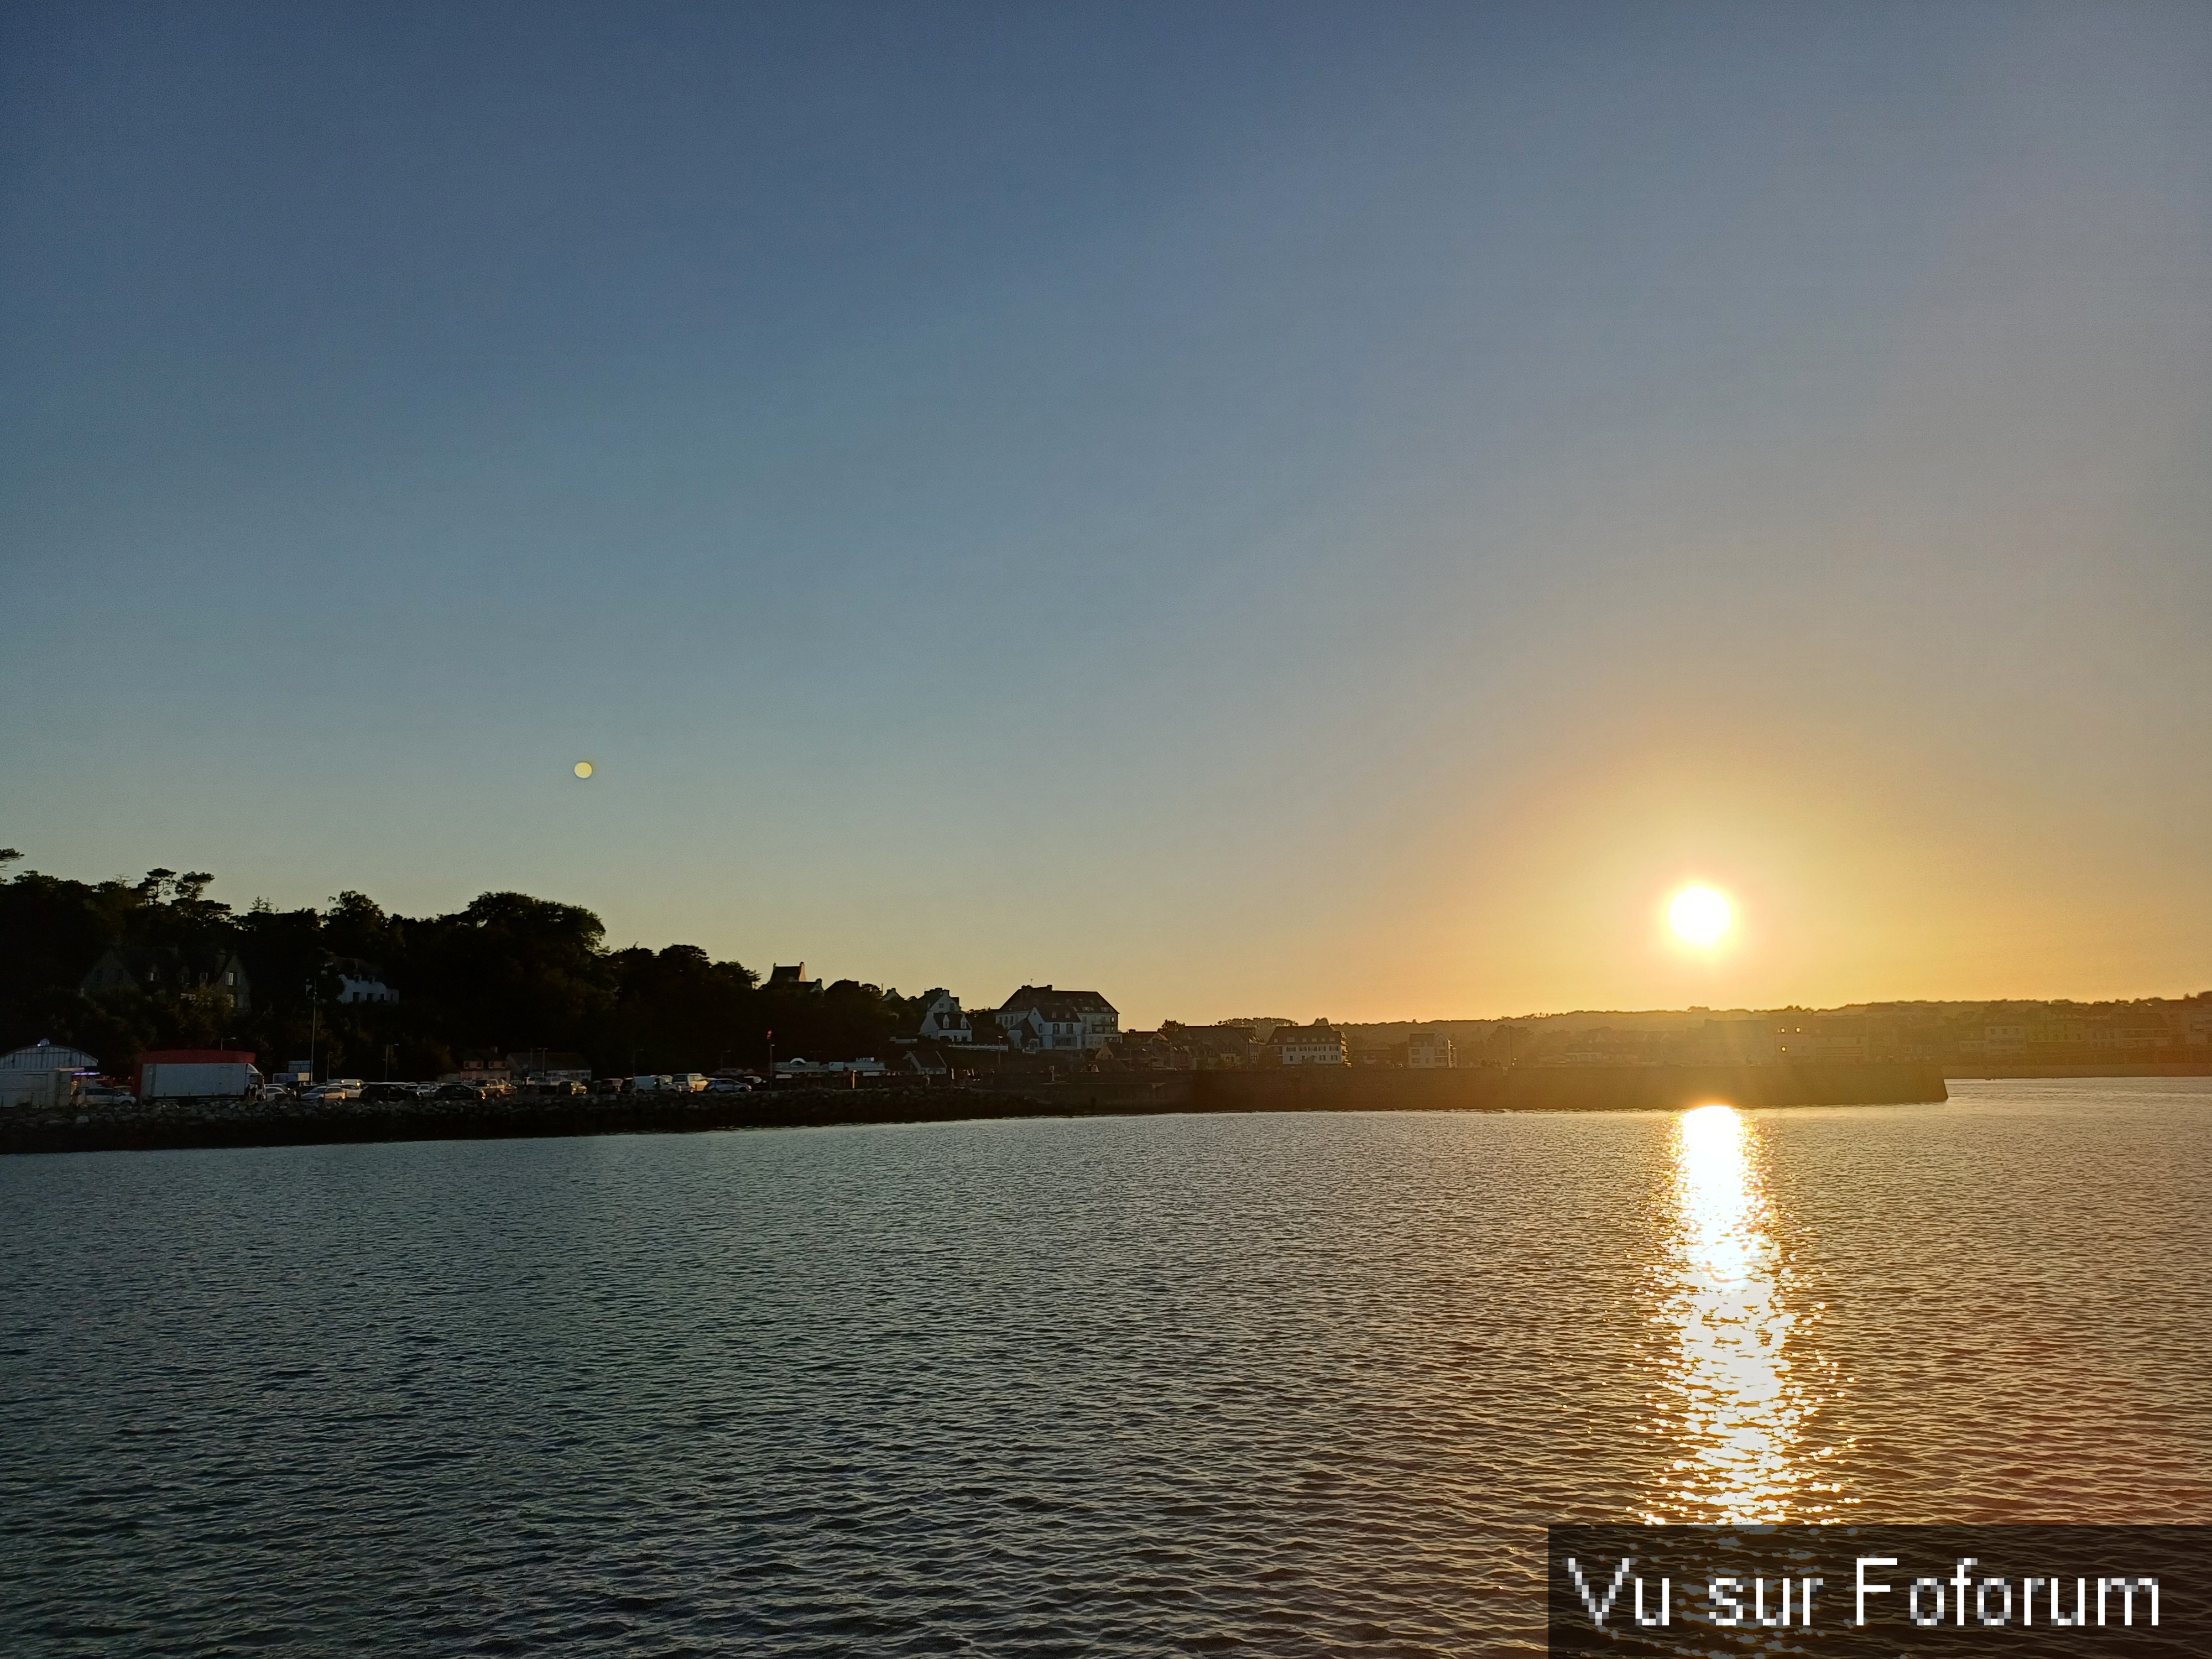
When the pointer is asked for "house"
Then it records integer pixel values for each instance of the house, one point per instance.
(792, 976)
(361, 981)
(1038, 1018)
(941, 1018)
(213, 974)
(1317, 1044)
(1428, 1051)
(1210, 1047)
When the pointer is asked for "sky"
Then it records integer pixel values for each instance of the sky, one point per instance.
(1253, 509)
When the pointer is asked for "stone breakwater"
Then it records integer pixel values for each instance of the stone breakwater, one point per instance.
(161, 1124)
(155, 1125)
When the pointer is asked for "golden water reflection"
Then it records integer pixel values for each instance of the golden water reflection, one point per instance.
(1741, 1379)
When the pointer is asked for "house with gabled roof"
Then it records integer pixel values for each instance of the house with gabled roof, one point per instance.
(942, 1019)
(213, 973)
(1317, 1044)
(1039, 1018)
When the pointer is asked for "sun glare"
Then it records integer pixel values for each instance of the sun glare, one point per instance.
(1700, 914)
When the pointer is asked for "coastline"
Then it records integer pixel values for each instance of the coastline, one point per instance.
(176, 1125)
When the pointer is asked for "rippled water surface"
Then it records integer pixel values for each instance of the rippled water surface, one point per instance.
(1277, 1384)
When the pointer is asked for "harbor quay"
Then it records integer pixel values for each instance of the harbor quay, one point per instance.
(144, 1125)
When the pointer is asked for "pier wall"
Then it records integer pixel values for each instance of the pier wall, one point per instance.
(1520, 1089)
(155, 1124)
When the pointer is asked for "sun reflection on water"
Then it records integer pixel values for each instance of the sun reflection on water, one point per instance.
(1740, 1380)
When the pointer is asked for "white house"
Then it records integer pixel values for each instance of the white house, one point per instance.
(1038, 1018)
(361, 981)
(1317, 1044)
(942, 1021)
(1428, 1051)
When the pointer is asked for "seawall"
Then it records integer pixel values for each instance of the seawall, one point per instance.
(2097, 1068)
(1524, 1088)
(1489, 1089)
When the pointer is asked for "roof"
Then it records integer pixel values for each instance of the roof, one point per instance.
(1213, 1039)
(1050, 1004)
(47, 1057)
(164, 961)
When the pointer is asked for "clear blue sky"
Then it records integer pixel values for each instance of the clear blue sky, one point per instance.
(1255, 509)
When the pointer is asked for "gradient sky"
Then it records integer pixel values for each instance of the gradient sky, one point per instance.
(1251, 508)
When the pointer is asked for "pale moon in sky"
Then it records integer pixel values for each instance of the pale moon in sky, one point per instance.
(583, 768)
(1700, 914)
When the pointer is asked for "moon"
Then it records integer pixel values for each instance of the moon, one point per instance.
(583, 768)
(1700, 914)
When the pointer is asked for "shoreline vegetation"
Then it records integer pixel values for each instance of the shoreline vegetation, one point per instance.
(176, 1125)
(514, 986)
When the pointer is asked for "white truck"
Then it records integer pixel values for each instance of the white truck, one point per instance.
(197, 1080)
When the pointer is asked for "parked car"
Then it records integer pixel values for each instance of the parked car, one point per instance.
(390, 1092)
(458, 1091)
(729, 1086)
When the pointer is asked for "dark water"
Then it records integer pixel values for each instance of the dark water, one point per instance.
(1275, 1384)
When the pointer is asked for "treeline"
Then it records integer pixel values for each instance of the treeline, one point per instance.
(508, 973)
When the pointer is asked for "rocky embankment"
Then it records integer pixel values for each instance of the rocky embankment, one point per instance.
(1307, 1089)
(151, 1124)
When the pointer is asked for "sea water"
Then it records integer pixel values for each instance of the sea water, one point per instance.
(1284, 1383)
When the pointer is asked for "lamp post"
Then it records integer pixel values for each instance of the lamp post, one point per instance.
(771, 1058)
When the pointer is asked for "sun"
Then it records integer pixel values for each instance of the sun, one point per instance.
(1700, 914)
(583, 768)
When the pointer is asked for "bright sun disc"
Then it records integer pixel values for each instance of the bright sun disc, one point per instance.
(1700, 914)
(583, 768)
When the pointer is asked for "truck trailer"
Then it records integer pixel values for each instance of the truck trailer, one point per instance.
(196, 1074)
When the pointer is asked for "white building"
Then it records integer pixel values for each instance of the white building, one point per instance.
(1429, 1051)
(44, 1074)
(48, 1057)
(1038, 1018)
(942, 1020)
(1317, 1044)
(363, 982)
